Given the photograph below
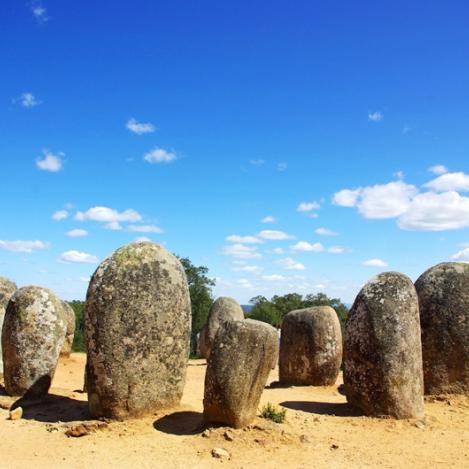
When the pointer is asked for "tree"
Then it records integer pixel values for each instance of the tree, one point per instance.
(264, 310)
(201, 297)
(79, 338)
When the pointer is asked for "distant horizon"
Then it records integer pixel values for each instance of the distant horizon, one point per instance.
(287, 147)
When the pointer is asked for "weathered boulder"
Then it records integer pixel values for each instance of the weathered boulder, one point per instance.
(138, 324)
(443, 293)
(310, 347)
(32, 337)
(382, 349)
(237, 371)
(70, 318)
(7, 288)
(223, 309)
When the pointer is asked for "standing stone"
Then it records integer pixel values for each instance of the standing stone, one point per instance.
(310, 347)
(7, 288)
(138, 324)
(237, 371)
(32, 337)
(68, 342)
(223, 309)
(382, 349)
(443, 293)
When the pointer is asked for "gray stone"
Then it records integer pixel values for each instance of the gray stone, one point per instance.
(223, 309)
(310, 347)
(32, 337)
(382, 349)
(68, 342)
(237, 370)
(443, 293)
(7, 288)
(138, 324)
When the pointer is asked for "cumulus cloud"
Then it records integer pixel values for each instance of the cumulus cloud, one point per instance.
(278, 251)
(106, 214)
(274, 235)
(23, 246)
(337, 250)
(77, 233)
(60, 215)
(307, 206)
(50, 162)
(449, 182)
(240, 251)
(436, 212)
(375, 263)
(462, 256)
(379, 201)
(145, 229)
(244, 239)
(257, 162)
(28, 100)
(375, 116)
(269, 219)
(274, 278)
(140, 128)
(78, 257)
(438, 169)
(254, 269)
(290, 264)
(113, 226)
(159, 155)
(282, 167)
(304, 246)
(326, 232)
(244, 283)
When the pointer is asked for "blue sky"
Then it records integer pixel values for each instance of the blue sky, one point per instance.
(189, 123)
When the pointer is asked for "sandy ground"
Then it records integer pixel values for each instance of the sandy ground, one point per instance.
(321, 431)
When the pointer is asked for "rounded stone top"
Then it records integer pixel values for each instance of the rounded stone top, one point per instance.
(437, 279)
(388, 285)
(7, 288)
(315, 311)
(36, 298)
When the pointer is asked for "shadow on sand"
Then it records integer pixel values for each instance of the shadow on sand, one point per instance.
(323, 408)
(52, 408)
(180, 423)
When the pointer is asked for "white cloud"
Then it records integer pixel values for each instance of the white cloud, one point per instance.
(140, 128)
(307, 206)
(278, 251)
(240, 251)
(60, 215)
(436, 212)
(23, 246)
(256, 162)
(106, 214)
(269, 219)
(438, 169)
(375, 263)
(39, 12)
(244, 239)
(254, 269)
(77, 233)
(142, 239)
(290, 264)
(462, 256)
(78, 257)
(274, 235)
(304, 246)
(347, 197)
(28, 100)
(145, 229)
(158, 155)
(282, 166)
(379, 201)
(375, 116)
(326, 232)
(274, 278)
(50, 162)
(244, 283)
(449, 182)
(113, 226)
(336, 250)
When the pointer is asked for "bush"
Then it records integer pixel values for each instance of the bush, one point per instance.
(274, 413)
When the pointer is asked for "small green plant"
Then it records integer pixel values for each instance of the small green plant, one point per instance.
(274, 413)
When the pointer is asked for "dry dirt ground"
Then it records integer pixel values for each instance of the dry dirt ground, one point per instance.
(321, 431)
